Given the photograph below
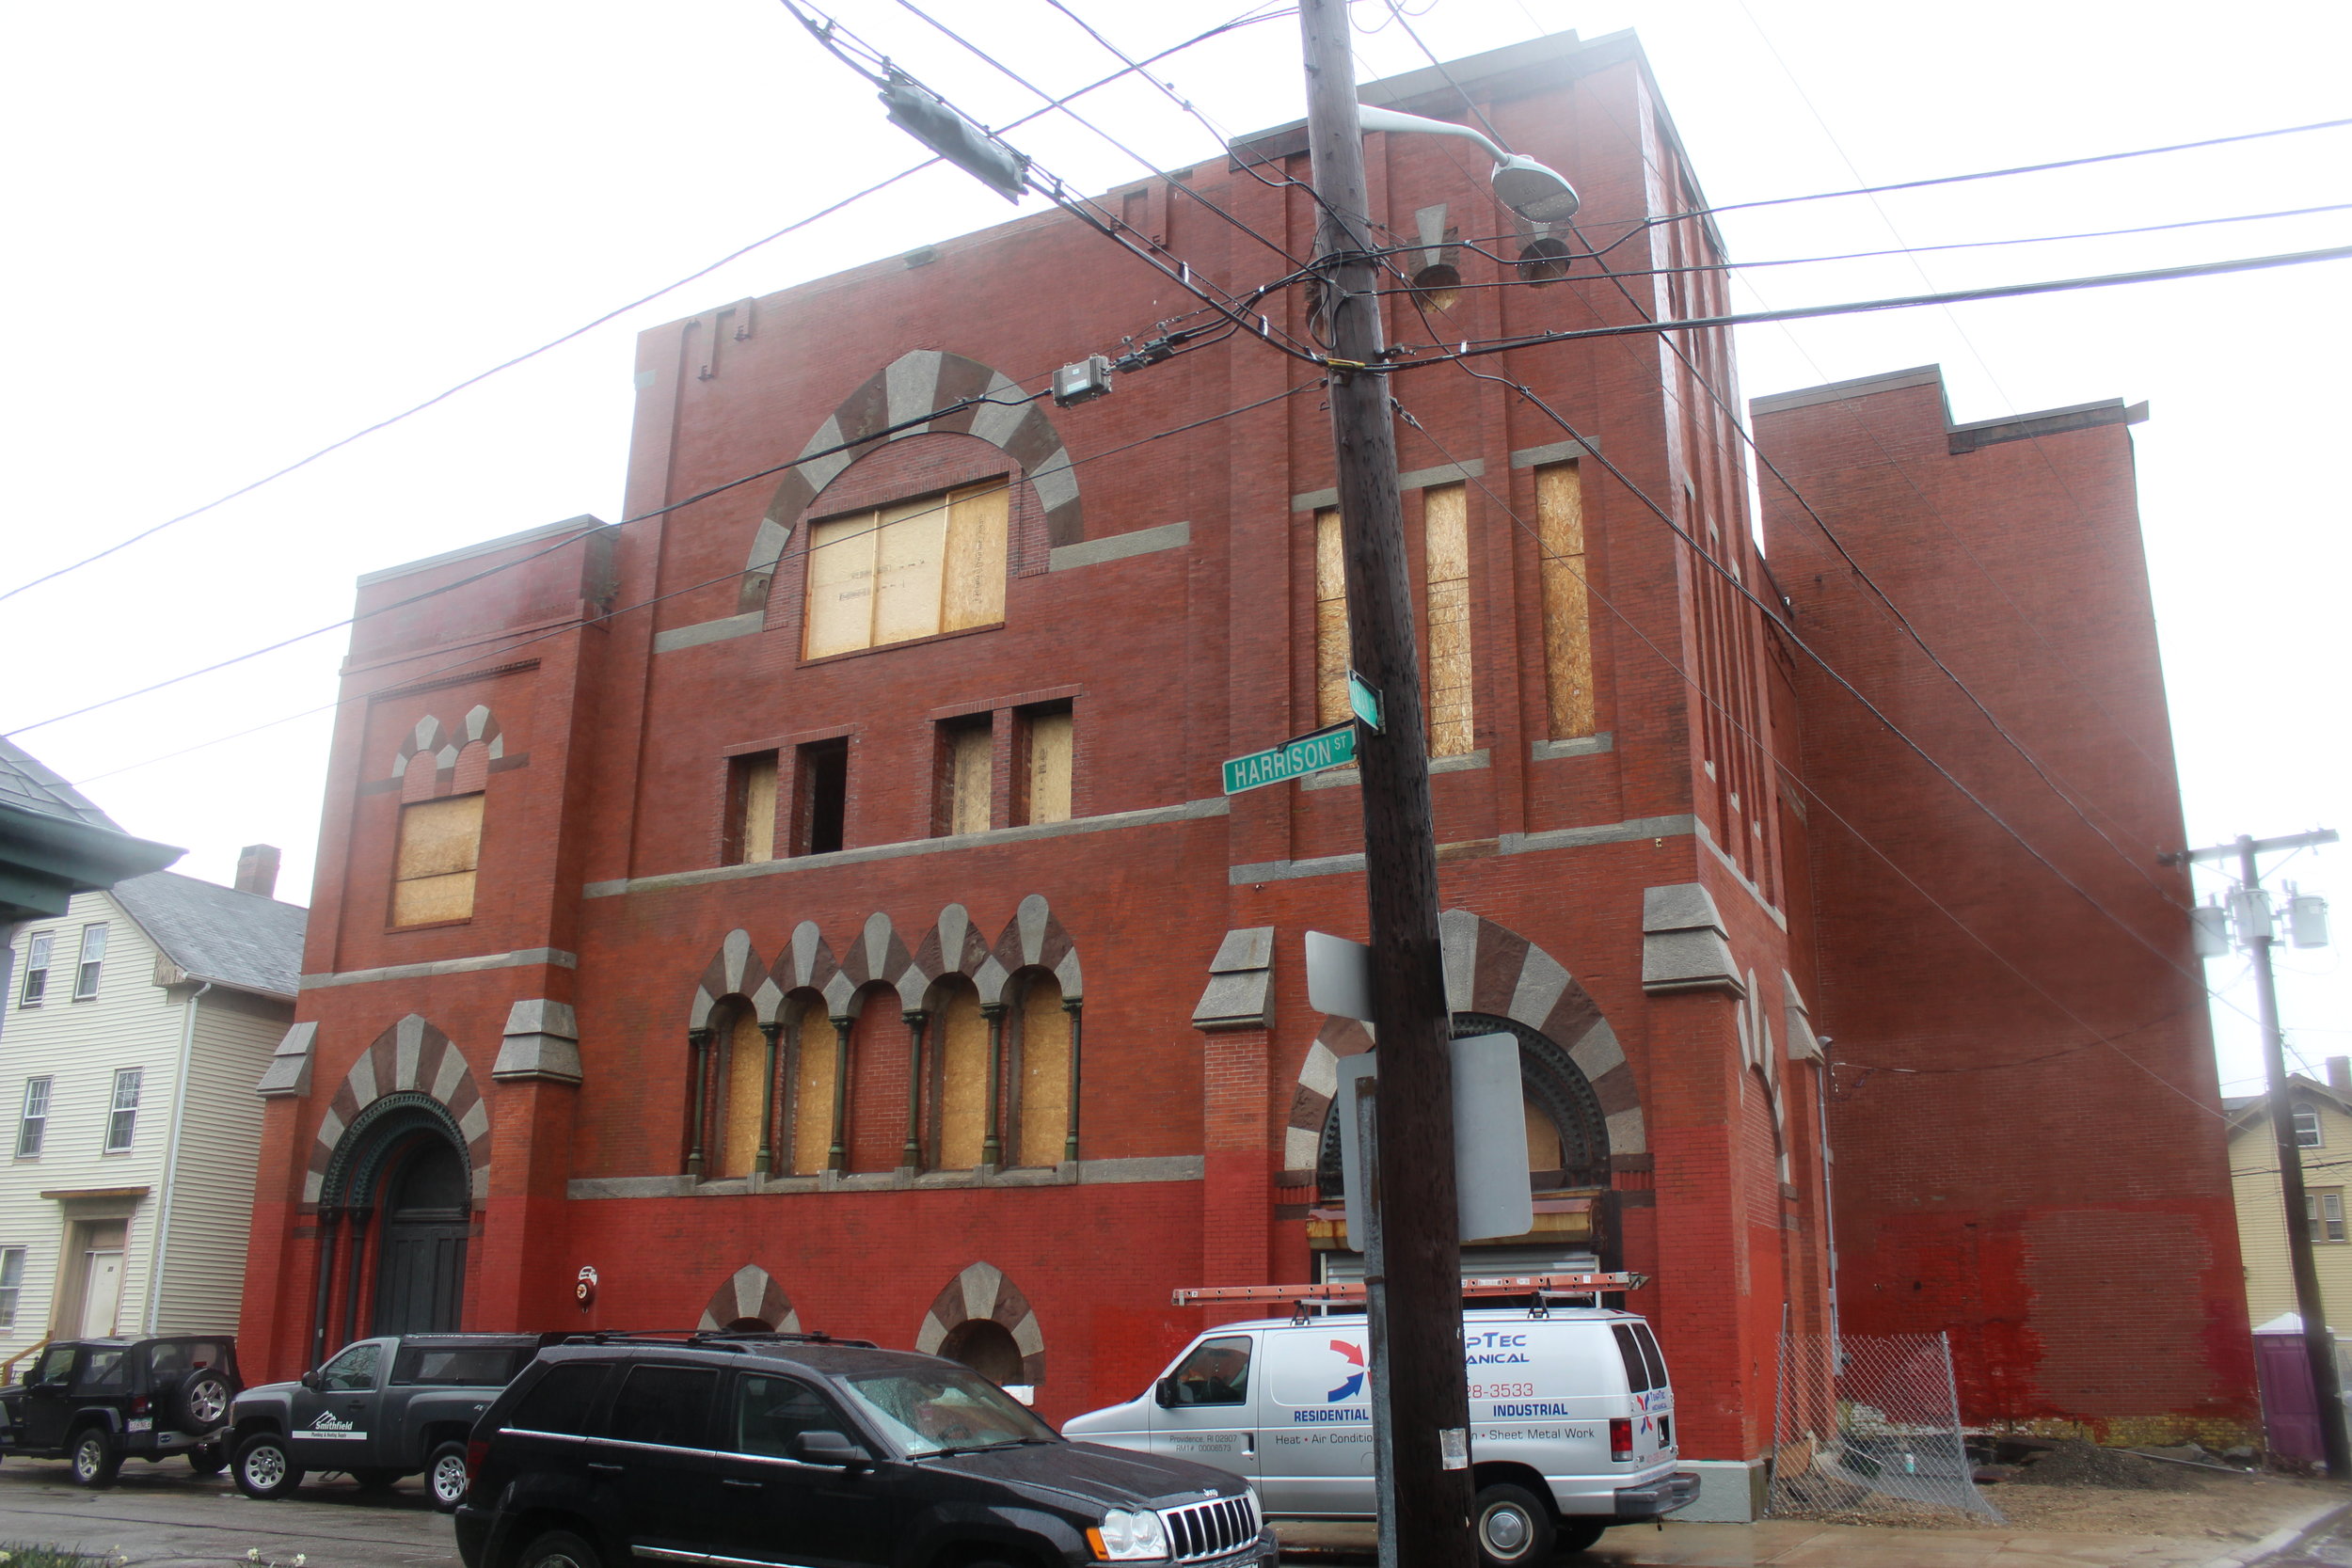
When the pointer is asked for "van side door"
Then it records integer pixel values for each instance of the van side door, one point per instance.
(1316, 1455)
(1206, 1409)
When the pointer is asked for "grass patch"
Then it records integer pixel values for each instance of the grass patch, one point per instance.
(33, 1554)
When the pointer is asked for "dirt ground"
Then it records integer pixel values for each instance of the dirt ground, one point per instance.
(2079, 1489)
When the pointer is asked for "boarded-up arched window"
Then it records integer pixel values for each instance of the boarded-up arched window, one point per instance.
(1044, 1085)
(743, 1088)
(812, 1091)
(963, 1081)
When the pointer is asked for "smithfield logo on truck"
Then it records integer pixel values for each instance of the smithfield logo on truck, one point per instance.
(328, 1424)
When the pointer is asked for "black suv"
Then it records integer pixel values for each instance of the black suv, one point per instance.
(760, 1448)
(99, 1401)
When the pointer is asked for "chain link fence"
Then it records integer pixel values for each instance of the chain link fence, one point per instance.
(1868, 1426)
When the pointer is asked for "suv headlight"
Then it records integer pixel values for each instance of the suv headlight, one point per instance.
(1124, 1537)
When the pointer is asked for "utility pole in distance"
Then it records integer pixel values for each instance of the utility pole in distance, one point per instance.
(1414, 1313)
(2255, 934)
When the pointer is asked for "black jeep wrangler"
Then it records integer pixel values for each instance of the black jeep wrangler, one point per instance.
(784, 1448)
(100, 1401)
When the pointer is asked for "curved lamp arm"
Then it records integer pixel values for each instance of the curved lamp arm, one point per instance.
(1538, 194)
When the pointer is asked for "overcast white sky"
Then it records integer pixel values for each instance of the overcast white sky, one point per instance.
(245, 230)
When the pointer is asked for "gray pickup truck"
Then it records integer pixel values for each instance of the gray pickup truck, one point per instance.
(380, 1410)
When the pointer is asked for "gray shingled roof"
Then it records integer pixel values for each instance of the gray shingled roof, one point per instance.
(240, 939)
(28, 784)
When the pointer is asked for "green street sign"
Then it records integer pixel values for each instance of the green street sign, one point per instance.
(1364, 700)
(1309, 753)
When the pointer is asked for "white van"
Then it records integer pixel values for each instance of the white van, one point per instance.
(1571, 1422)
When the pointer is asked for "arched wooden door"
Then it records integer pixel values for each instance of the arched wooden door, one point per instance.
(420, 1260)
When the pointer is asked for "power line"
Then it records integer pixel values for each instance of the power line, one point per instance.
(2005, 173)
(1699, 374)
(2098, 1036)
(1475, 348)
(1479, 246)
(642, 604)
(556, 342)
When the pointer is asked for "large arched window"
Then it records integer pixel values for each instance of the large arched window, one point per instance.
(960, 1095)
(1042, 1107)
(741, 1052)
(815, 1061)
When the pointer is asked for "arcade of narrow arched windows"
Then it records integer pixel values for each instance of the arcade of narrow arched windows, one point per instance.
(955, 1084)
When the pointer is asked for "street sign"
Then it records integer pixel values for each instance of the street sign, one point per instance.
(1309, 753)
(1363, 700)
(1339, 976)
(1491, 1196)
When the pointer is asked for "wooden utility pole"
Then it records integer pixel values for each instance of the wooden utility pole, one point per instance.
(1414, 1309)
(2254, 935)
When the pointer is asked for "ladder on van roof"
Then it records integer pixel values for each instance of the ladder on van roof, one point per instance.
(1349, 1295)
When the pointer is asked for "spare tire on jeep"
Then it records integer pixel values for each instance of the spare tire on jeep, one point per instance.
(200, 1403)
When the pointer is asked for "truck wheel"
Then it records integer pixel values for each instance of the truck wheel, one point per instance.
(200, 1403)
(208, 1458)
(445, 1476)
(1514, 1527)
(1581, 1535)
(265, 1469)
(558, 1548)
(95, 1457)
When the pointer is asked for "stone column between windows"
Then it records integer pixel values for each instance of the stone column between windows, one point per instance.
(698, 1049)
(766, 1162)
(911, 1152)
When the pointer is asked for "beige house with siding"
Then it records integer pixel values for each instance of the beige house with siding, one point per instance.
(133, 1028)
(2323, 1124)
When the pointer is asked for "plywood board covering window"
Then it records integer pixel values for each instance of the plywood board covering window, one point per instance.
(746, 1094)
(812, 1093)
(915, 569)
(1445, 540)
(1053, 738)
(962, 1080)
(969, 764)
(440, 844)
(1044, 1074)
(1331, 656)
(1568, 616)
(751, 797)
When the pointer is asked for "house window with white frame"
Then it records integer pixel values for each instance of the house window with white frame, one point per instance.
(86, 969)
(34, 1125)
(2307, 1133)
(11, 1283)
(2323, 1210)
(122, 1117)
(37, 951)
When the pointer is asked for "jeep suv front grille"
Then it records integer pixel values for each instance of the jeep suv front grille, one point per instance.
(1212, 1528)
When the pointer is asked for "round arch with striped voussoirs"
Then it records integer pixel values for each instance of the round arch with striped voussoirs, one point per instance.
(1490, 970)
(918, 381)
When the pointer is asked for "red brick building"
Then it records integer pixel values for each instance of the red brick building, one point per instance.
(813, 902)
(2026, 1109)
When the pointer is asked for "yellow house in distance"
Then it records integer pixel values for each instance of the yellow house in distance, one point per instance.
(2323, 1130)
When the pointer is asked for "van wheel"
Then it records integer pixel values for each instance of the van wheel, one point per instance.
(1581, 1535)
(558, 1548)
(264, 1467)
(1513, 1528)
(445, 1476)
(95, 1458)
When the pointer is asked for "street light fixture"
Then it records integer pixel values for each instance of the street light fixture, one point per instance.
(1538, 194)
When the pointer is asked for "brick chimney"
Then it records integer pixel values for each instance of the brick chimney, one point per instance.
(257, 871)
(2340, 1074)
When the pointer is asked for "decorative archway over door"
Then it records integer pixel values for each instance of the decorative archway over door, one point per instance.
(400, 1162)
